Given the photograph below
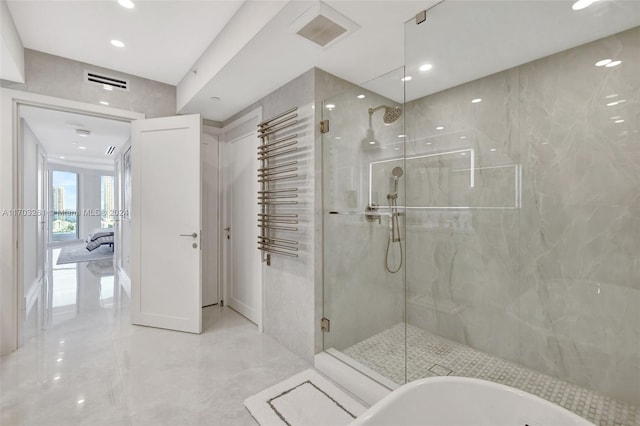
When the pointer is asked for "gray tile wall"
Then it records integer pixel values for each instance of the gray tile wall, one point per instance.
(555, 284)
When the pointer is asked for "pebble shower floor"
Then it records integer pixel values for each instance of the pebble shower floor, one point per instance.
(430, 355)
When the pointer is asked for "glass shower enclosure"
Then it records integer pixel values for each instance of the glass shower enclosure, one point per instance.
(492, 230)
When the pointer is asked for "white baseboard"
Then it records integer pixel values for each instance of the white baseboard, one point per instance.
(362, 386)
(125, 281)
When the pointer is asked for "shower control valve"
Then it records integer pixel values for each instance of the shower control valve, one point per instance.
(372, 208)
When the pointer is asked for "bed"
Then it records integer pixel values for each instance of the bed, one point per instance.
(100, 237)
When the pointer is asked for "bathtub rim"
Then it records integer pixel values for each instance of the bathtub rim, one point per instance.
(408, 387)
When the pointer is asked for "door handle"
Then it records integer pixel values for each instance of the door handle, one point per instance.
(228, 229)
(194, 235)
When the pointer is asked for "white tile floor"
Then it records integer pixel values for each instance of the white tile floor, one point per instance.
(430, 355)
(91, 367)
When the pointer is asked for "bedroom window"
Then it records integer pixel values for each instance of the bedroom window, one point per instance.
(64, 189)
(107, 197)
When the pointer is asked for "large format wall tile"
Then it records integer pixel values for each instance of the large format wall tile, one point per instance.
(551, 277)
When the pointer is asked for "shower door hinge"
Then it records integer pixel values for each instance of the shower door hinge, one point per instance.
(325, 324)
(324, 126)
(421, 17)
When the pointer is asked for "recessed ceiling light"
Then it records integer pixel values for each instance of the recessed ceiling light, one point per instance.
(603, 62)
(582, 4)
(493, 150)
(372, 142)
(330, 106)
(126, 4)
(83, 133)
(425, 67)
(117, 43)
(407, 78)
(439, 128)
(81, 401)
(104, 103)
(476, 100)
(360, 96)
(613, 64)
(619, 121)
(107, 87)
(82, 147)
(402, 136)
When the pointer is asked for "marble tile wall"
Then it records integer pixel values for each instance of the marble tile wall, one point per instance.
(552, 279)
(64, 78)
(289, 282)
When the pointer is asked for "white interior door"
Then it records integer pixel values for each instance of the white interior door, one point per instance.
(245, 278)
(166, 281)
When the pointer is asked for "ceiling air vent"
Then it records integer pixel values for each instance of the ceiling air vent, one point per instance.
(110, 150)
(321, 30)
(323, 25)
(108, 82)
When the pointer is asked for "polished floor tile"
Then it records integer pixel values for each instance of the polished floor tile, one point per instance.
(90, 366)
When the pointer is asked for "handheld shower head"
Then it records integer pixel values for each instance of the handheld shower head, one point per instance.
(397, 172)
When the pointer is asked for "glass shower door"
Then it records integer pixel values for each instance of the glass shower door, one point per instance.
(523, 182)
(364, 228)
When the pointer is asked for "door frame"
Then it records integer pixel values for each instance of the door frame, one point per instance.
(239, 128)
(11, 285)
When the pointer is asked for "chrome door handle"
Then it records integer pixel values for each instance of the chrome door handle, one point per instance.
(194, 235)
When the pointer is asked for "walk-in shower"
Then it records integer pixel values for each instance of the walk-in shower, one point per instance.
(502, 184)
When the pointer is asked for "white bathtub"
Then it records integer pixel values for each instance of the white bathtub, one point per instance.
(460, 401)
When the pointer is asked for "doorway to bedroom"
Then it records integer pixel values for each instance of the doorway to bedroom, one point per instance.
(75, 217)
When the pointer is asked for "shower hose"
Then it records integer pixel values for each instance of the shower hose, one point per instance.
(394, 227)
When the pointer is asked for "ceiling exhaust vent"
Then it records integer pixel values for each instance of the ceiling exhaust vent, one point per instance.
(321, 30)
(323, 25)
(108, 82)
(110, 150)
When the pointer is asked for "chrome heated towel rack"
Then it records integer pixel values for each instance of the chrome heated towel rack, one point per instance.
(275, 197)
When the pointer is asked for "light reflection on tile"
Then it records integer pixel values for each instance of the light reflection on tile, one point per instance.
(131, 375)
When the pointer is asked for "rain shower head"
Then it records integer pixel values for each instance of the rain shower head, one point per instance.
(391, 114)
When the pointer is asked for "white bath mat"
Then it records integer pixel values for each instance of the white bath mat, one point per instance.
(306, 399)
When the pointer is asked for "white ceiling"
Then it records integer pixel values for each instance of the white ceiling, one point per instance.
(464, 40)
(467, 40)
(163, 39)
(277, 55)
(56, 131)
